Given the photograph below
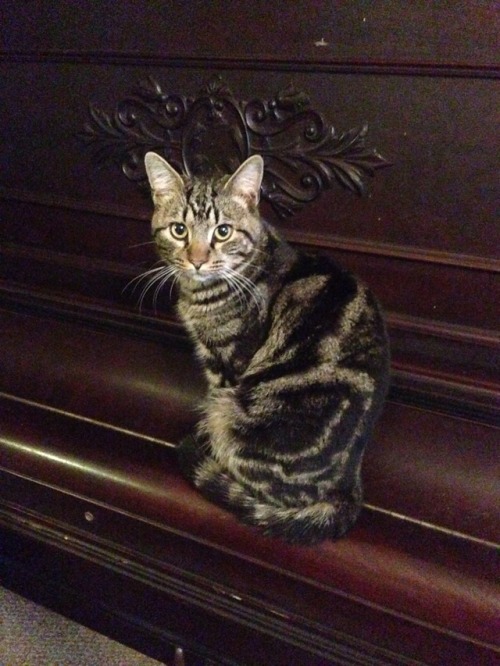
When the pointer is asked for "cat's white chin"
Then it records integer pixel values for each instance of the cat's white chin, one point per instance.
(200, 276)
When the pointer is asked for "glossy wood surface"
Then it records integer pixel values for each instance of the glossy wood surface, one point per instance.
(96, 478)
(95, 389)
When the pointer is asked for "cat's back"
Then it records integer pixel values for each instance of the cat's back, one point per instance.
(316, 285)
(323, 313)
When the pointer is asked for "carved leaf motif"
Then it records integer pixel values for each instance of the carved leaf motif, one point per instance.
(303, 154)
(346, 158)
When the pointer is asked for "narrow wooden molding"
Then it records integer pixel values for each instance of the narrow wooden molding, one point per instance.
(306, 239)
(447, 331)
(430, 392)
(424, 386)
(68, 260)
(161, 327)
(307, 65)
(404, 252)
(140, 436)
(432, 526)
(37, 297)
(71, 203)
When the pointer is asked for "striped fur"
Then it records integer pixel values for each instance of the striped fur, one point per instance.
(295, 354)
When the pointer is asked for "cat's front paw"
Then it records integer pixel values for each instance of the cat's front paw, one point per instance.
(191, 452)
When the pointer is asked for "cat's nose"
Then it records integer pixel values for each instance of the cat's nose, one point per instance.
(198, 253)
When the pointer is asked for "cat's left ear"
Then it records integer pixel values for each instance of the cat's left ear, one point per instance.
(163, 179)
(246, 181)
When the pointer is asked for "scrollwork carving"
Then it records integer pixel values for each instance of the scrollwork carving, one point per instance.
(303, 154)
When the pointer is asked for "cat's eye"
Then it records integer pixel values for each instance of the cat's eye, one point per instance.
(223, 232)
(178, 230)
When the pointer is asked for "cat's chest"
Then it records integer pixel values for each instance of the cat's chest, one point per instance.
(226, 349)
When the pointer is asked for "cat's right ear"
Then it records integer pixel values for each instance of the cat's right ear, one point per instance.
(163, 179)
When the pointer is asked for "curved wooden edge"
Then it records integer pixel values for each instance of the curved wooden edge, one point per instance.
(404, 571)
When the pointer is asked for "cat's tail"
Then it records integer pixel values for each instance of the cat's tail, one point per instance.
(307, 524)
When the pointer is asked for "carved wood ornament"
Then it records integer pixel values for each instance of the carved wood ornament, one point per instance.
(213, 131)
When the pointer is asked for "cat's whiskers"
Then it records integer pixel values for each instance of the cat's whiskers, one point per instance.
(136, 281)
(244, 286)
(235, 288)
(132, 247)
(161, 283)
(176, 275)
(155, 276)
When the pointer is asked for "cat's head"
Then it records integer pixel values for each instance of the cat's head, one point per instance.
(205, 228)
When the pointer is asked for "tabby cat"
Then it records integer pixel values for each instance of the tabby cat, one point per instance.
(294, 350)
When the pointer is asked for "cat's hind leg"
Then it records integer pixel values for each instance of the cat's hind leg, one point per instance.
(307, 524)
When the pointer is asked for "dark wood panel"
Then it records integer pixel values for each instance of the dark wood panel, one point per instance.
(453, 367)
(60, 240)
(123, 380)
(452, 32)
(115, 602)
(154, 388)
(439, 195)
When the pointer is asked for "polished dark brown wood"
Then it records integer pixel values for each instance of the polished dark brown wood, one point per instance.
(95, 391)
(110, 498)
